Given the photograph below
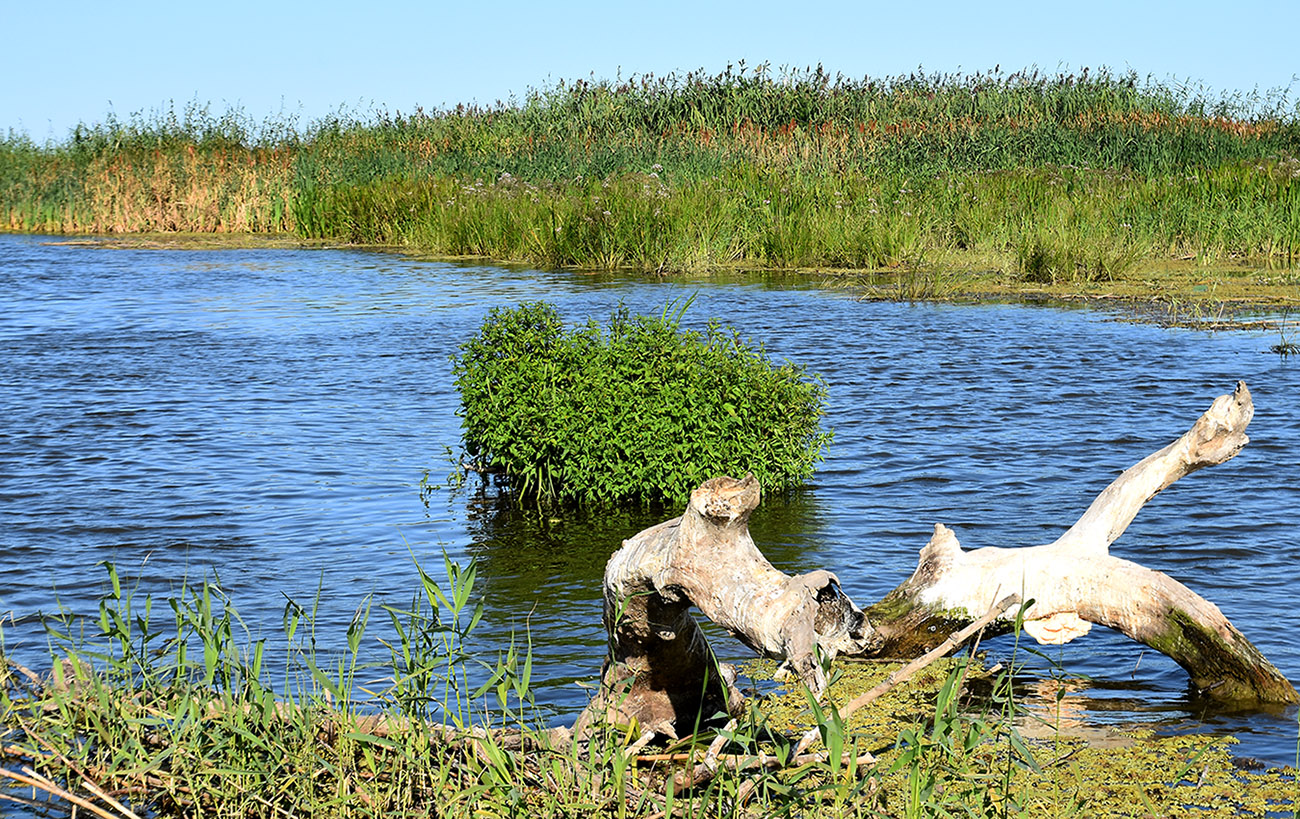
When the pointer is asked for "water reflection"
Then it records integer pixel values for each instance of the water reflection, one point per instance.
(1054, 706)
(543, 573)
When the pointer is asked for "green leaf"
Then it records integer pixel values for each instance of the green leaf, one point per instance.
(371, 739)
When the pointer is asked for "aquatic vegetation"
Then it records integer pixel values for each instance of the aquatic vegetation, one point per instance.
(1050, 178)
(173, 710)
(1286, 330)
(640, 410)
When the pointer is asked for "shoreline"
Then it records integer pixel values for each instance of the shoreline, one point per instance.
(1170, 292)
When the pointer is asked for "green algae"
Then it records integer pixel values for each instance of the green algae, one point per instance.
(997, 771)
(1154, 776)
(904, 706)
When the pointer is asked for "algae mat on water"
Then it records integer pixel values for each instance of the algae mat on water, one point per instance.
(971, 759)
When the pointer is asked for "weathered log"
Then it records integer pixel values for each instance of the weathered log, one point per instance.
(662, 674)
(1075, 582)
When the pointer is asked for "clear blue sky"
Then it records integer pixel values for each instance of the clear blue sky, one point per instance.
(65, 62)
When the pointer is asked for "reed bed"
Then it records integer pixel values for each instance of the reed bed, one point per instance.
(1048, 177)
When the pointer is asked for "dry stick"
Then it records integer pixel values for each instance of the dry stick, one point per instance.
(705, 769)
(148, 785)
(676, 757)
(702, 774)
(741, 762)
(116, 805)
(275, 808)
(905, 673)
(641, 742)
(32, 676)
(22, 800)
(85, 778)
(35, 780)
(28, 753)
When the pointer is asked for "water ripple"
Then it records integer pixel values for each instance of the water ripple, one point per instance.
(265, 417)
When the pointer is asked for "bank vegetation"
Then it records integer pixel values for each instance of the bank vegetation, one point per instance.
(1038, 179)
(174, 708)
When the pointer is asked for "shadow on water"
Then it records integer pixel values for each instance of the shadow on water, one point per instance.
(520, 549)
(542, 573)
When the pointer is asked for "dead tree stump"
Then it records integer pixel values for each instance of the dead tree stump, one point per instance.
(661, 672)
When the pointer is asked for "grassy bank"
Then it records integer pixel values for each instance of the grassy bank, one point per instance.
(173, 711)
(1047, 179)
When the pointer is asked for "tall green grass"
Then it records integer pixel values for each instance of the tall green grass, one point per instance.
(1057, 223)
(177, 708)
(1057, 176)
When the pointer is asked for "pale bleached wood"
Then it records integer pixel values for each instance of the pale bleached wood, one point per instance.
(662, 674)
(661, 671)
(1075, 582)
(1216, 436)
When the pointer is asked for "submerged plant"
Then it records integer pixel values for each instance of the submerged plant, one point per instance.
(1285, 346)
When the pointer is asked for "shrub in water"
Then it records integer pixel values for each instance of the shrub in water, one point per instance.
(639, 411)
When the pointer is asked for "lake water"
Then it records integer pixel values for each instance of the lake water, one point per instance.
(266, 416)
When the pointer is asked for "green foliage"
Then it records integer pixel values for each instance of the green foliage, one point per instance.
(642, 410)
(173, 710)
(941, 763)
(1067, 177)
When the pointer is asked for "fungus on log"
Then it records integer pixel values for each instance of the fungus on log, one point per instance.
(662, 674)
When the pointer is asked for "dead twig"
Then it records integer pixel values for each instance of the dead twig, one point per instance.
(31, 778)
(905, 673)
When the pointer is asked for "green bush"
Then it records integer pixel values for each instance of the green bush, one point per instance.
(639, 411)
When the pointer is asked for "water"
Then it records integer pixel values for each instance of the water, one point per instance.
(265, 416)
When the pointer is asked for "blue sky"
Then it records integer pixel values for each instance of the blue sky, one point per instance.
(62, 63)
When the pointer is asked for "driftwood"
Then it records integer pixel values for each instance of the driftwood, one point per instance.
(661, 672)
(662, 675)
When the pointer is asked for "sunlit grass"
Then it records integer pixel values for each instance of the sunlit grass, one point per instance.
(1054, 178)
(177, 708)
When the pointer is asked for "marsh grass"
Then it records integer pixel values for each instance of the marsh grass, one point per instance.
(177, 709)
(1056, 177)
(1286, 345)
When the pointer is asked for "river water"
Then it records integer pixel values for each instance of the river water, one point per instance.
(265, 417)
